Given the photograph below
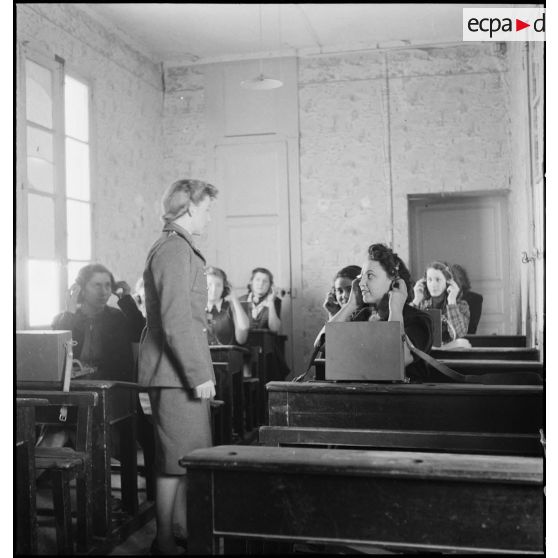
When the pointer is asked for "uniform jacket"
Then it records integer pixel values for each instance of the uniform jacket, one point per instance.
(174, 351)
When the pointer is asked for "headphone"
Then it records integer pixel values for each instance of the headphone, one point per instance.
(226, 289)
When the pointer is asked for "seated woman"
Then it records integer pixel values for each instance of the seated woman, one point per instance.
(104, 335)
(474, 300)
(338, 296)
(227, 323)
(382, 294)
(263, 308)
(262, 304)
(438, 289)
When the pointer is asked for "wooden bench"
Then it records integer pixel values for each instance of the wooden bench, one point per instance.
(65, 463)
(26, 501)
(528, 445)
(487, 353)
(414, 407)
(116, 409)
(497, 340)
(394, 500)
(525, 371)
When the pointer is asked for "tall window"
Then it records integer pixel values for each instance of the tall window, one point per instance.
(57, 198)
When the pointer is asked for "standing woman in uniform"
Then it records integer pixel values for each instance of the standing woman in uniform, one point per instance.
(174, 358)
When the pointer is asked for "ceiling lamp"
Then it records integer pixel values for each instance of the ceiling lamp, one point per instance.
(262, 82)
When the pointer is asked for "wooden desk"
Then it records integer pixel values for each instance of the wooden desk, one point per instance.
(26, 501)
(394, 500)
(497, 340)
(228, 361)
(487, 353)
(426, 407)
(116, 409)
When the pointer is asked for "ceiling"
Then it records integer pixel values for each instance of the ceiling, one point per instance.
(216, 32)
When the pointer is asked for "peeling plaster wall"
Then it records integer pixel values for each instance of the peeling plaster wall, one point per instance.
(126, 128)
(185, 132)
(344, 171)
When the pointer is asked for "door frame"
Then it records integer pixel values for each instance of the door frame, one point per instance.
(510, 318)
(294, 346)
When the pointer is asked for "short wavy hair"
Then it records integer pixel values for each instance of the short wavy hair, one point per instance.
(218, 272)
(350, 272)
(260, 270)
(85, 274)
(392, 264)
(444, 268)
(461, 277)
(180, 194)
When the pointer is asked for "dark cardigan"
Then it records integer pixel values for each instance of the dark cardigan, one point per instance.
(117, 332)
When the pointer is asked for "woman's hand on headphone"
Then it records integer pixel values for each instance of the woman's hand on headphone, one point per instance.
(453, 290)
(231, 297)
(355, 298)
(397, 298)
(72, 298)
(418, 289)
(330, 303)
(122, 288)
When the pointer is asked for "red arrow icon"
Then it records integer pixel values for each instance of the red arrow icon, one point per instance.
(519, 25)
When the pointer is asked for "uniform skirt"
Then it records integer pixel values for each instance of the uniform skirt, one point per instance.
(181, 424)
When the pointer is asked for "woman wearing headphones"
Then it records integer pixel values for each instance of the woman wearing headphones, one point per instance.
(104, 334)
(262, 304)
(381, 293)
(438, 289)
(227, 323)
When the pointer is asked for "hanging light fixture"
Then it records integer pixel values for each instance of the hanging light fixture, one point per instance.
(262, 82)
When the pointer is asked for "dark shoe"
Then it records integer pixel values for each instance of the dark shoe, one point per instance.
(181, 541)
(156, 551)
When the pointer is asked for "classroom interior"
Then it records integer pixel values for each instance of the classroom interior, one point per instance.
(387, 128)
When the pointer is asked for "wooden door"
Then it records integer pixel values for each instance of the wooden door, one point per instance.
(252, 213)
(252, 141)
(470, 230)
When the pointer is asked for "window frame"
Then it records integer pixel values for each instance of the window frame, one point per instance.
(59, 70)
(79, 76)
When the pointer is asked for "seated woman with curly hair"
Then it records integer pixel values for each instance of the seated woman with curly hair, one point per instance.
(381, 293)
